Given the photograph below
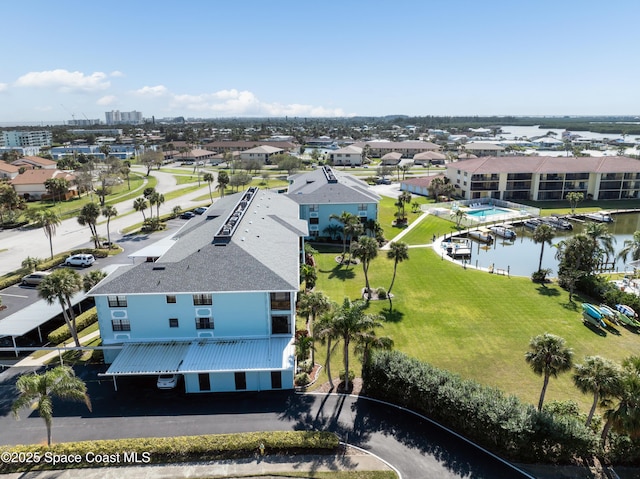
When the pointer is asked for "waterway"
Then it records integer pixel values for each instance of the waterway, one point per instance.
(520, 257)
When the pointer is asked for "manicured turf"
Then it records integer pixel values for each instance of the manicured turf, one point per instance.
(473, 323)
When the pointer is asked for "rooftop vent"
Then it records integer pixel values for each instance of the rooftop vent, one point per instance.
(328, 174)
(225, 233)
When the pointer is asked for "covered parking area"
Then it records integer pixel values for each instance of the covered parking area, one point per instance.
(32, 318)
(212, 365)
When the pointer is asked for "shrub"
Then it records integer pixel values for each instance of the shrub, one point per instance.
(306, 366)
(302, 379)
(83, 320)
(381, 292)
(540, 276)
(352, 375)
(181, 448)
(502, 424)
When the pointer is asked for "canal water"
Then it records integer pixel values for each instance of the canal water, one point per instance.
(520, 257)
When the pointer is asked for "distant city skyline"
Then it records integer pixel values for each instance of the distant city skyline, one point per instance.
(250, 58)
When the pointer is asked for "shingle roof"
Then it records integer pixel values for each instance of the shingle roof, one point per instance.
(429, 155)
(264, 149)
(33, 160)
(262, 255)
(313, 188)
(548, 164)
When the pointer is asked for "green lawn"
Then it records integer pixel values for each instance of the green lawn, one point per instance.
(431, 225)
(473, 323)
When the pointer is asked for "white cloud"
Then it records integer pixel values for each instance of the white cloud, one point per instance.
(4, 86)
(245, 103)
(116, 73)
(154, 91)
(107, 100)
(65, 80)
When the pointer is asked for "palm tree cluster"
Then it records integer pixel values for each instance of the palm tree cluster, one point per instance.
(150, 198)
(347, 324)
(615, 388)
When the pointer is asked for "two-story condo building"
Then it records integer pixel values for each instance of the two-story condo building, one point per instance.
(218, 307)
(543, 178)
(324, 192)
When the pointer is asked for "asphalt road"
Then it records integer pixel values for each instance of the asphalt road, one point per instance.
(416, 447)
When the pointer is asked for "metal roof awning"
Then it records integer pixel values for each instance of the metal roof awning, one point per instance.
(203, 355)
(33, 316)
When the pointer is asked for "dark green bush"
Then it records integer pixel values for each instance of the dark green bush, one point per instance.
(502, 424)
(302, 379)
(182, 448)
(83, 320)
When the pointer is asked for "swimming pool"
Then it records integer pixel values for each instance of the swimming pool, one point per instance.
(487, 212)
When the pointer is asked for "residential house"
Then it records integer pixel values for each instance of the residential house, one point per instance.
(482, 149)
(348, 156)
(261, 153)
(8, 171)
(218, 307)
(419, 185)
(391, 159)
(228, 145)
(325, 192)
(35, 162)
(31, 184)
(433, 157)
(541, 178)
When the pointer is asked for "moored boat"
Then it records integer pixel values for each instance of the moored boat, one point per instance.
(458, 247)
(481, 236)
(532, 223)
(503, 231)
(600, 216)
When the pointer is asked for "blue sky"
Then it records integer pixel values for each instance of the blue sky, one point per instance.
(246, 58)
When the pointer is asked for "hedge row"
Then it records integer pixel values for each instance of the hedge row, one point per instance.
(166, 450)
(58, 259)
(83, 320)
(502, 424)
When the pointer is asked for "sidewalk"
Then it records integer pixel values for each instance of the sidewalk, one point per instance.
(355, 460)
(30, 361)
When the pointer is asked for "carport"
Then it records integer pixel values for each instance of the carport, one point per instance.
(33, 317)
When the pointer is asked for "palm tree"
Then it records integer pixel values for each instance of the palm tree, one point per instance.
(159, 200)
(89, 217)
(140, 204)
(458, 215)
(601, 238)
(38, 390)
(598, 376)
(153, 198)
(325, 333)
(61, 285)
(350, 323)
(31, 263)
(313, 304)
(109, 211)
(543, 234)
(223, 181)
(366, 249)
(398, 252)
(92, 278)
(631, 246)
(49, 221)
(368, 342)
(624, 415)
(345, 219)
(333, 230)
(309, 275)
(548, 356)
(208, 177)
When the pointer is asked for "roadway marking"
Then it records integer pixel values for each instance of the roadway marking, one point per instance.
(13, 295)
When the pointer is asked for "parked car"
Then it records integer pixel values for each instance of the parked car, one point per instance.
(200, 210)
(167, 381)
(187, 215)
(34, 278)
(84, 260)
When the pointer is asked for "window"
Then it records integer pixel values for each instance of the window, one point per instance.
(241, 380)
(171, 299)
(204, 323)
(362, 207)
(120, 325)
(173, 322)
(204, 382)
(314, 221)
(313, 208)
(202, 299)
(117, 301)
(276, 380)
(280, 300)
(280, 324)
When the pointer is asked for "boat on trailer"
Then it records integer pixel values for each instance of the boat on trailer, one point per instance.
(592, 314)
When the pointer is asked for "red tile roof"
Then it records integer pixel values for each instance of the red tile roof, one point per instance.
(38, 177)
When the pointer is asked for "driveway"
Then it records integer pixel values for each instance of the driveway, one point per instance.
(416, 447)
